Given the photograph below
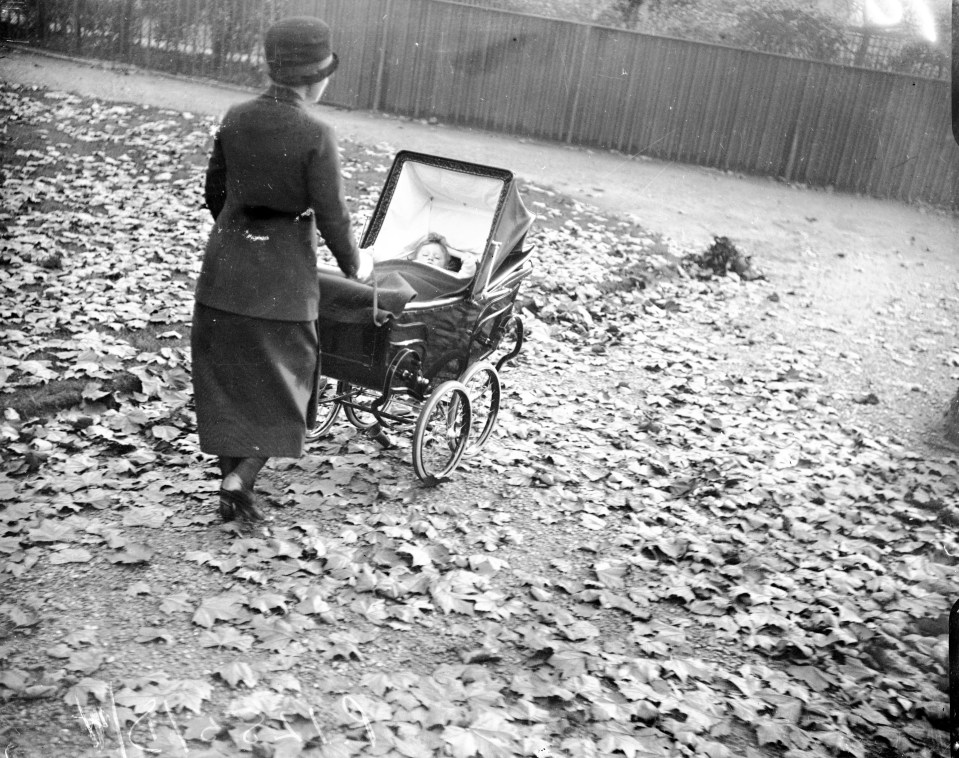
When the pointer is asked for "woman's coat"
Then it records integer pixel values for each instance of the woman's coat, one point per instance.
(283, 183)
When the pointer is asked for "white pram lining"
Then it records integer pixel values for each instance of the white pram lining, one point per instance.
(432, 200)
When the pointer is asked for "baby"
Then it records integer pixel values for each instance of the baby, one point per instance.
(435, 251)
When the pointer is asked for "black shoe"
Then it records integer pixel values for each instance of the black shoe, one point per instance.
(240, 505)
(227, 511)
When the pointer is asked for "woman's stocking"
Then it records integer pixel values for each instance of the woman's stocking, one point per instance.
(243, 475)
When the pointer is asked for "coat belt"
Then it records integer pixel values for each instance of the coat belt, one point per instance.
(261, 212)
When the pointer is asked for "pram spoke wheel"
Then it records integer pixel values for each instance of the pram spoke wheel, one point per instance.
(442, 431)
(483, 387)
(327, 409)
(362, 420)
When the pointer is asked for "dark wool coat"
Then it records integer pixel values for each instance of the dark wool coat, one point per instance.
(273, 179)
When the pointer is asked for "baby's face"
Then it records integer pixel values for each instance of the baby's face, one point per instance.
(434, 254)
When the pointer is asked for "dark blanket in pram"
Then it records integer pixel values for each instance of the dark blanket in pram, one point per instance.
(429, 282)
(352, 302)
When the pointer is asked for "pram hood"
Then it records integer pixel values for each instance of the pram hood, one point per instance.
(476, 208)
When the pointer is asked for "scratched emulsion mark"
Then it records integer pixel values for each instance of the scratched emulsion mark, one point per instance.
(489, 58)
(105, 731)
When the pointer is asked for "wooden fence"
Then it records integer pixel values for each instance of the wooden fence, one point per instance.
(857, 130)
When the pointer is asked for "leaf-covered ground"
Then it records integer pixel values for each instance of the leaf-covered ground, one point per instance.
(665, 550)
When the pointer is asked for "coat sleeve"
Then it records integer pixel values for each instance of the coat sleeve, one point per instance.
(328, 201)
(214, 190)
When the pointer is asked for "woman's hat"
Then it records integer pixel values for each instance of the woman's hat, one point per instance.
(298, 51)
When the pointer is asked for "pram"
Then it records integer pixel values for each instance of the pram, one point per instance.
(422, 346)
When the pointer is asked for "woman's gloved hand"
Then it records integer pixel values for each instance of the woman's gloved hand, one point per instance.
(364, 272)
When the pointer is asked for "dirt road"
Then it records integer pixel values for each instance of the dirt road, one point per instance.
(875, 284)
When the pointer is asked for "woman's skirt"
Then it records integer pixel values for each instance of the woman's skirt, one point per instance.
(253, 383)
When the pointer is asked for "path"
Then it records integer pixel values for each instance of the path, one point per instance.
(875, 279)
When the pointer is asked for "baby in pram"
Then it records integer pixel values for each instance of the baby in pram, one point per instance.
(434, 250)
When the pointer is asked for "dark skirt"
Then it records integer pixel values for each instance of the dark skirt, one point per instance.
(253, 383)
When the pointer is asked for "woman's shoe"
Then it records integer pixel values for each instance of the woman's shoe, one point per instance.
(227, 511)
(240, 505)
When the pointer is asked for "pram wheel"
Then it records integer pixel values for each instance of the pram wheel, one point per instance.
(362, 420)
(483, 387)
(403, 368)
(327, 409)
(442, 432)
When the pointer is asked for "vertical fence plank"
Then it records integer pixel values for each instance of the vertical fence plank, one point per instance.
(381, 58)
(573, 106)
(76, 25)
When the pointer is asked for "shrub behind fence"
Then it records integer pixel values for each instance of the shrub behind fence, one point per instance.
(858, 130)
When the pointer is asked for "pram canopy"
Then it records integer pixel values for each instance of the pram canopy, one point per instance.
(477, 209)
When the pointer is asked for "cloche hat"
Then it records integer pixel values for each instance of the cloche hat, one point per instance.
(298, 51)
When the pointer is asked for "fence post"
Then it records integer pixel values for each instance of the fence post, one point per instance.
(267, 15)
(381, 63)
(41, 20)
(76, 23)
(148, 43)
(125, 32)
(578, 87)
(172, 41)
(791, 161)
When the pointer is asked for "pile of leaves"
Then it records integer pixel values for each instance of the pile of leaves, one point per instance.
(661, 552)
(722, 258)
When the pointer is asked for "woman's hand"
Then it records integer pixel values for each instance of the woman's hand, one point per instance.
(364, 271)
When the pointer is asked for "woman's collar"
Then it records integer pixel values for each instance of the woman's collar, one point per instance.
(284, 94)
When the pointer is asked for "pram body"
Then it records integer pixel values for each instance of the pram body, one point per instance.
(422, 346)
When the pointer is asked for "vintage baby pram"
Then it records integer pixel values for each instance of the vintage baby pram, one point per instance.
(423, 347)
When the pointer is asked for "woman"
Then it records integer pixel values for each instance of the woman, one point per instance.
(272, 182)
